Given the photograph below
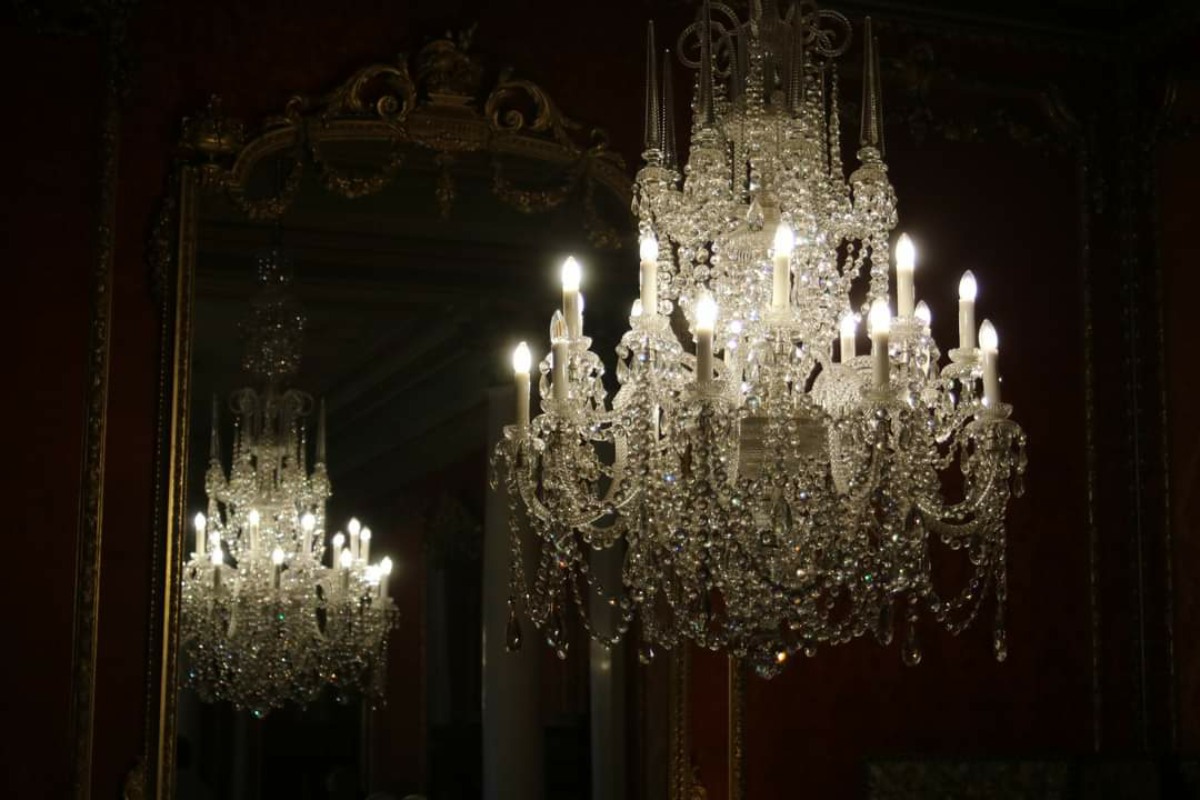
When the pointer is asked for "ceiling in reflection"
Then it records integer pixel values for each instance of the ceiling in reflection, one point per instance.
(410, 313)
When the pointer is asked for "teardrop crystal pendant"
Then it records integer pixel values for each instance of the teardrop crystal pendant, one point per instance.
(512, 639)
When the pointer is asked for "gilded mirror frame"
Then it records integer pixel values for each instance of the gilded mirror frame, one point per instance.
(436, 100)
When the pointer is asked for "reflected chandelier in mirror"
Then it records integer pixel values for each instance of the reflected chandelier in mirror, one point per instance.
(264, 619)
(773, 499)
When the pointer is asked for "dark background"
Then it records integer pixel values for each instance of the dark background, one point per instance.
(1029, 142)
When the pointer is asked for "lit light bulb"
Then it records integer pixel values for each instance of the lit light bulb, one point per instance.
(200, 522)
(345, 559)
(338, 540)
(880, 318)
(385, 566)
(254, 517)
(308, 522)
(849, 326)
(365, 535)
(706, 312)
(988, 339)
(354, 526)
(218, 557)
(967, 287)
(785, 240)
(648, 250)
(521, 359)
(923, 313)
(906, 253)
(571, 274)
(277, 556)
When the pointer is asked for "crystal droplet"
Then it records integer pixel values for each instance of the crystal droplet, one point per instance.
(646, 653)
(1018, 486)
(883, 627)
(754, 215)
(561, 653)
(512, 641)
(912, 648)
(999, 633)
(781, 518)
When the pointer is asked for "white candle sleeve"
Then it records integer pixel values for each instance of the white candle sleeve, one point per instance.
(881, 322)
(558, 371)
(906, 257)
(989, 344)
(781, 277)
(849, 337)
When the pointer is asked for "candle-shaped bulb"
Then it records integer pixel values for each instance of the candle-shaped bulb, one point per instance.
(706, 313)
(880, 318)
(521, 359)
(849, 326)
(308, 522)
(648, 249)
(906, 253)
(923, 313)
(201, 523)
(785, 240)
(218, 556)
(636, 311)
(277, 556)
(385, 566)
(345, 559)
(906, 260)
(354, 526)
(967, 287)
(339, 539)
(364, 547)
(571, 275)
(254, 517)
(988, 340)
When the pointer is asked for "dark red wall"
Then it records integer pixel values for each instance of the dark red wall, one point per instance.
(48, 213)
(1178, 161)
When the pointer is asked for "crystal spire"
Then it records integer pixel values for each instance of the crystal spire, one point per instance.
(667, 127)
(872, 112)
(652, 124)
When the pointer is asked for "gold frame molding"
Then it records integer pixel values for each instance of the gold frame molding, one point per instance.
(442, 106)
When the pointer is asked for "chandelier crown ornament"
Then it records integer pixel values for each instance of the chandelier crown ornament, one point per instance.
(766, 498)
(264, 619)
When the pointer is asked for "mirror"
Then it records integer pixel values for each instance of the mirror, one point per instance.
(377, 253)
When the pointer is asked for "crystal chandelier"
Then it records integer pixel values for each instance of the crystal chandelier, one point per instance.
(264, 619)
(770, 491)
